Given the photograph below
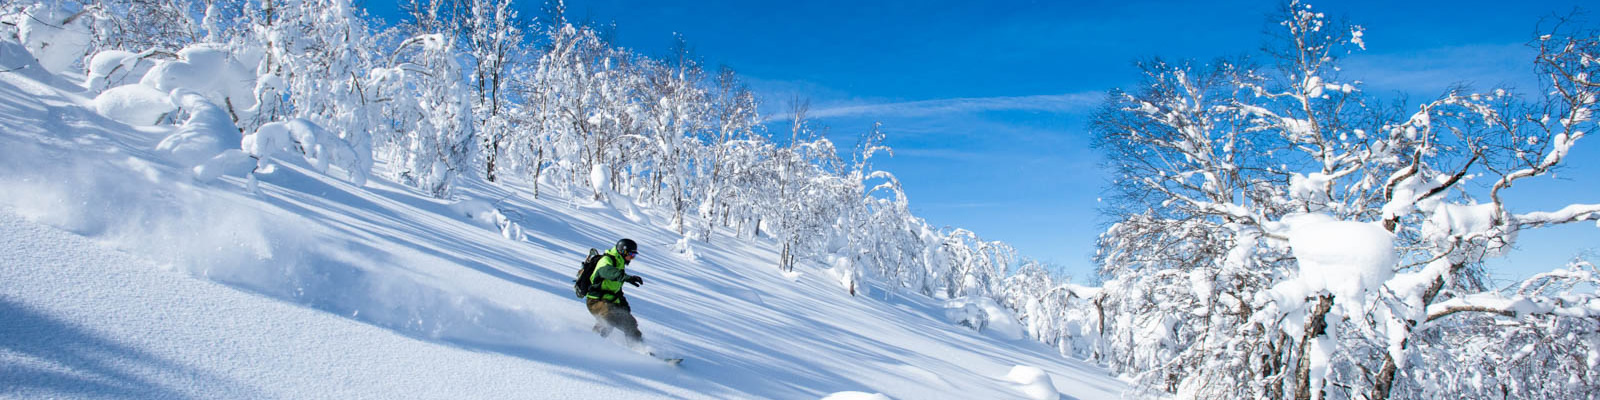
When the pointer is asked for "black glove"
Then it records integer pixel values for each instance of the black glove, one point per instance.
(634, 279)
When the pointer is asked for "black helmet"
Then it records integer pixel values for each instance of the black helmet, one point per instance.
(627, 246)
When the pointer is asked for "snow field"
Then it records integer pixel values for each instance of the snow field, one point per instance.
(311, 285)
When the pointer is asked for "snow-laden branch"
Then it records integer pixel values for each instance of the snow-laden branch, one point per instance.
(1581, 272)
(1530, 297)
(1572, 305)
(1570, 213)
(1072, 290)
(427, 41)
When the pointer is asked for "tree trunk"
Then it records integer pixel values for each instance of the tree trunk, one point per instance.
(494, 148)
(783, 258)
(1274, 366)
(1383, 383)
(1100, 314)
(1316, 326)
(1385, 380)
(655, 185)
(538, 167)
(678, 205)
(708, 219)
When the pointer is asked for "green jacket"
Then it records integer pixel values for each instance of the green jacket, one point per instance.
(606, 282)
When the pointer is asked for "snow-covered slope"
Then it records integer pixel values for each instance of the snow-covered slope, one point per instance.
(121, 275)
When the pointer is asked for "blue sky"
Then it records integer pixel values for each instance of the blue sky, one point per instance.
(986, 103)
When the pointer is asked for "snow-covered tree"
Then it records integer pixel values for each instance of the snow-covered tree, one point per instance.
(879, 232)
(965, 264)
(313, 60)
(735, 123)
(802, 194)
(496, 44)
(57, 33)
(429, 137)
(568, 134)
(139, 25)
(677, 112)
(749, 174)
(1280, 234)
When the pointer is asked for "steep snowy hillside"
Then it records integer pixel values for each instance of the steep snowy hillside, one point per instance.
(124, 275)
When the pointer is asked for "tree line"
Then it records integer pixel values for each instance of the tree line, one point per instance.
(472, 90)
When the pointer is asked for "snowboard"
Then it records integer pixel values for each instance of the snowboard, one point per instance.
(673, 361)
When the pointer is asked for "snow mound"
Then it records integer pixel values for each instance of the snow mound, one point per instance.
(626, 207)
(476, 210)
(18, 60)
(232, 162)
(684, 248)
(208, 131)
(1035, 383)
(133, 104)
(318, 146)
(114, 68)
(487, 215)
(856, 396)
(984, 315)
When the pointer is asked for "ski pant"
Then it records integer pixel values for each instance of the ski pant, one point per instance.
(608, 315)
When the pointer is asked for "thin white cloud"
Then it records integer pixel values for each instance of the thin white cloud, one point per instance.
(949, 154)
(963, 205)
(1427, 73)
(1062, 104)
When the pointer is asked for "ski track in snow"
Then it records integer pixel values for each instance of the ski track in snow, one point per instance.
(121, 277)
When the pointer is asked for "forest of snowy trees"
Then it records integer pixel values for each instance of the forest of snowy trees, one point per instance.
(1275, 232)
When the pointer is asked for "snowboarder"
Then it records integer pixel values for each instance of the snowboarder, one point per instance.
(605, 299)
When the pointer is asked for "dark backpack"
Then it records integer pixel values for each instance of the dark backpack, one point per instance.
(581, 285)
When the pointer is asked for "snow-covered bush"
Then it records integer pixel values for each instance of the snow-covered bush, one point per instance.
(319, 147)
(57, 33)
(207, 132)
(685, 249)
(967, 314)
(165, 85)
(984, 315)
(206, 69)
(137, 105)
(114, 68)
